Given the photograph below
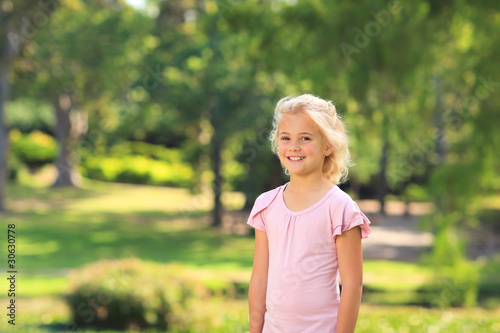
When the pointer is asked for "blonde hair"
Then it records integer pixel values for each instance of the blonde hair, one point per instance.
(331, 126)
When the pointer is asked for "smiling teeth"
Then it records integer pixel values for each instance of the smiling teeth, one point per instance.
(296, 158)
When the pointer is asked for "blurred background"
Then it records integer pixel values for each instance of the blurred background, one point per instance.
(133, 143)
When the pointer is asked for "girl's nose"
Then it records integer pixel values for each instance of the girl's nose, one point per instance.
(294, 146)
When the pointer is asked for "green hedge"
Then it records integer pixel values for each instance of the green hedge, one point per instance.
(34, 149)
(152, 151)
(139, 163)
(132, 294)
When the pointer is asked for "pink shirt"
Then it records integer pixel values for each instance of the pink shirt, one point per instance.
(302, 284)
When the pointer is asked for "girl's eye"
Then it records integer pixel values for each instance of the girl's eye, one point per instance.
(305, 137)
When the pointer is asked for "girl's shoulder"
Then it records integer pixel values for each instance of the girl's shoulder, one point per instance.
(346, 214)
(264, 200)
(270, 193)
(340, 197)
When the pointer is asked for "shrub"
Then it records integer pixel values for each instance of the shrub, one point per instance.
(132, 294)
(137, 169)
(140, 163)
(34, 149)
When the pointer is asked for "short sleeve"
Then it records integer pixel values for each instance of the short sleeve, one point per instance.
(347, 217)
(257, 221)
(256, 218)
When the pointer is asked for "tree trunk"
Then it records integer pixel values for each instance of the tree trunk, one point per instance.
(217, 185)
(382, 188)
(4, 89)
(438, 119)
(4, 138)
(66, 138)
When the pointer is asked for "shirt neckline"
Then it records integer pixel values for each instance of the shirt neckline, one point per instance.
(306, 210)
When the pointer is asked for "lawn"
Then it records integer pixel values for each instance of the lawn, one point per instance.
(61, 229)
(48, 314)
(66, 228)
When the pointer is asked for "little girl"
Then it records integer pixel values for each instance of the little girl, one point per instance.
(307, 230)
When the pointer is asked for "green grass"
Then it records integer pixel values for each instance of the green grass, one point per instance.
(62, 228)
(393, 276)
(231, 316)
(42, 286)
(70, 239)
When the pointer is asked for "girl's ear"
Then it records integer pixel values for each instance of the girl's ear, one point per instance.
(328, 150)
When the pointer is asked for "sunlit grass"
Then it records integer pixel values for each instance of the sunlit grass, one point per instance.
(395, 276)
(98, 197)
(44, 314)
(382, 319)
(37, 286)
(59, 228)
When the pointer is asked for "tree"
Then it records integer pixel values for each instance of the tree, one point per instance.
(20, 22)
(208, 81)
(349, 55)
(80, 65)
(464, 68)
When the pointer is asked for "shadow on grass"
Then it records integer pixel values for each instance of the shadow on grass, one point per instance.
(65, 239)
(19, 192)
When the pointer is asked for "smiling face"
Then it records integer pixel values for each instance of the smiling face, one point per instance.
(301, 146)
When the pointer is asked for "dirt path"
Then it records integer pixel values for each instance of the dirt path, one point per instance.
(395, 236)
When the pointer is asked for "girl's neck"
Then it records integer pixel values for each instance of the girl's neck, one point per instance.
(307, 184)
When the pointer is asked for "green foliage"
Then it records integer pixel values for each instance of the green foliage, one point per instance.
(35, 148)
(14, 165)
(95, 67)
(139, 163)
(261, 166)
(453, 193)
(156, 152)
(131, 294)
(456, 279)
(416, 192)
(29, 115)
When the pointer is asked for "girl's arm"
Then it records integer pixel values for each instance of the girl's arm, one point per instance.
(350, 257)
(258, 282)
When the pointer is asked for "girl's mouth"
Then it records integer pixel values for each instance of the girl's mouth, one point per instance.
(295, 158)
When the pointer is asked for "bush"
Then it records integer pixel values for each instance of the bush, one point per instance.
(137, 170)
(34, 149)
(132, 294)
(140, 163)
(151, 151)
